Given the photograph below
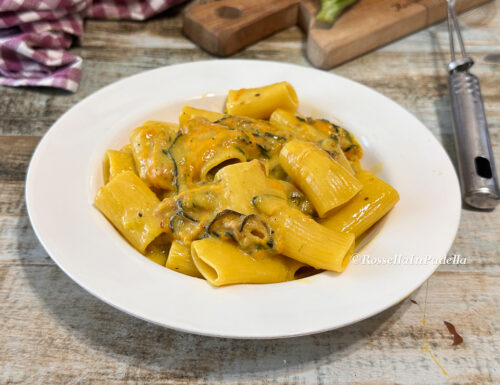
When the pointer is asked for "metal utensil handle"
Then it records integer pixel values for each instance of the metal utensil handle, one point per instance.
(475, 157)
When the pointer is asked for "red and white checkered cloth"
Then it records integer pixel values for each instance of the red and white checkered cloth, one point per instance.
(35, 36)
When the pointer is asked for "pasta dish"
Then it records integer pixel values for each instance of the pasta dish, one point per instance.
(255, 194)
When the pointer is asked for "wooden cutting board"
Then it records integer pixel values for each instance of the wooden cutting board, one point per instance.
(226, 26)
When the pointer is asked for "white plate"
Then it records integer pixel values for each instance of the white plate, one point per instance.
(65, 173)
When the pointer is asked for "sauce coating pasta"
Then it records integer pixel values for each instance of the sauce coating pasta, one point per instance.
(239, 199)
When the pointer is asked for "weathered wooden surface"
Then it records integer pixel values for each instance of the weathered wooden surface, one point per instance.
(53, 332)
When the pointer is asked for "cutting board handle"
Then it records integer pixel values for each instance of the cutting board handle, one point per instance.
(225, 27)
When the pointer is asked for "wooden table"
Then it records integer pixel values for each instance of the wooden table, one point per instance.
(53, 332)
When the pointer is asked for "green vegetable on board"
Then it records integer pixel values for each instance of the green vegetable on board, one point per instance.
(331, 9)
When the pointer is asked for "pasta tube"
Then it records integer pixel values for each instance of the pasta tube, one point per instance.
(223, 263)
(298, 126)
(332, 147)
(242, 182)
(347, 142)
(375, 199)
(128, 204)
(303, 239)
(188, 113)
(149, 148)
(180, 260)
(157, 250)
(260, 102)
(324, 181)
(304, 129)
(221, 158)
(116, 162)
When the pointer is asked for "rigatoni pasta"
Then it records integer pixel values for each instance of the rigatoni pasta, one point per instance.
(129, 205)
(257, 193)
(115, 162)
(325, 182)
(260, 102)
(244, 181)
(305, 240)
(374, 200)
(153, 164)
(297, 125)
(223, 263)
(309, 130)
(188, 113)
(158, 250)
(180, 260)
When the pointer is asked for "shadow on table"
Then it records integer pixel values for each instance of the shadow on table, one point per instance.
(185, 356)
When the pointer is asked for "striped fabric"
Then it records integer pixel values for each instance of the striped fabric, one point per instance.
(35, 36)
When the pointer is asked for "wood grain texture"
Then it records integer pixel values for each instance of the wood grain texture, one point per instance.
(370, 24)
(225, 27)
(78, 339)
(53, 332)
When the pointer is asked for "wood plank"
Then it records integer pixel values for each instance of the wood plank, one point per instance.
(78, 339)
(415, 93)
(17, 239)
(16, 152)
(12, 199)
